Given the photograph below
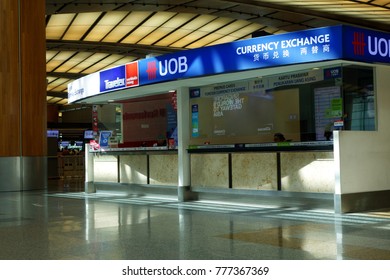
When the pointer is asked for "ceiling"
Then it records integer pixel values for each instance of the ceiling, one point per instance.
(86, 36)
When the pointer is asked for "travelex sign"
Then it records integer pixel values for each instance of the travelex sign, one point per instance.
(321, 44)
(113, 79)
(117, 78)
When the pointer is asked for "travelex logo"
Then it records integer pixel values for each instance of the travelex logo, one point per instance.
(118, 82)
(113, 79)
(119, 77)
(374, 45)
(172, 66)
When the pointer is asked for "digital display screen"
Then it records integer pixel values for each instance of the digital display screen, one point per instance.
(53, 133)
(88, 134)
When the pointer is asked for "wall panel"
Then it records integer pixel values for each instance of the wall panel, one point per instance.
(9, 79)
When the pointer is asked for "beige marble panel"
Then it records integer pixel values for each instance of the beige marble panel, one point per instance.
(106, 168)
(133, 169)
(163, 169)
(210, 170)
(308, 172)
(255, 171)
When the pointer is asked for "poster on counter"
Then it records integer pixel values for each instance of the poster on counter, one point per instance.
(195, 120)
(94, 145)
(104, 138)
(328, 109)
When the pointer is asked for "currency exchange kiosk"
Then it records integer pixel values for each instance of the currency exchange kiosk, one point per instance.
(202, 123)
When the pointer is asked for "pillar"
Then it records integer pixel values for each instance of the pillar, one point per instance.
(183, 125)
(23, 143)
(89, 184)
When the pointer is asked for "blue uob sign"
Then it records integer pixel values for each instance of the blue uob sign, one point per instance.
(284, 49)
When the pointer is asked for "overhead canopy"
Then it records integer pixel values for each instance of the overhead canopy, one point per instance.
(314, 45)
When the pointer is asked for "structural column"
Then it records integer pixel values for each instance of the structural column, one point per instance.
(89, 184)
(23, 144)
(183, 125)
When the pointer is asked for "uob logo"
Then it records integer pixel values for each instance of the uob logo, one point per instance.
(377, 46)
(168, 66)
(358, 43)
(151, 70)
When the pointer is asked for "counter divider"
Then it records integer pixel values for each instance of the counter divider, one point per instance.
(253, 148)
(135, 151)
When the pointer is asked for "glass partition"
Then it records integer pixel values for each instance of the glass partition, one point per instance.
(142, 122)
(359, 98)
(108, 118)
(298, 106)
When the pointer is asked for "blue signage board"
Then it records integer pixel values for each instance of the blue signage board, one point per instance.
(366, 45)
(313, 45)
(113, 79)
(283, 49)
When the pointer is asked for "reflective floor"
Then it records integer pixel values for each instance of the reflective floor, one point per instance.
(66, 223)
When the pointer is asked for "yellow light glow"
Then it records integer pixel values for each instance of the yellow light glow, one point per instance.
(166, 28)
(80, 25)
(58, 60)
(126, 26)
(57, 25)
(105, 25)
(83, 67)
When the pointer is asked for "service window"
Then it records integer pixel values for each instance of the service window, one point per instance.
(303, 106)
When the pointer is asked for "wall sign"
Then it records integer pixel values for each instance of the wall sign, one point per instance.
(320, 44)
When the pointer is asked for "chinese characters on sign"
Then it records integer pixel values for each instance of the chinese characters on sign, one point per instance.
(274, 50)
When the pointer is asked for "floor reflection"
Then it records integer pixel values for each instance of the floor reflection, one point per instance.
(66, 184)
(66, 223)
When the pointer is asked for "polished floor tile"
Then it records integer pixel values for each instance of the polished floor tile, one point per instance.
(64, 223)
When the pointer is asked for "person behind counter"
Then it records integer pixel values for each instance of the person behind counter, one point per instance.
(279, 137)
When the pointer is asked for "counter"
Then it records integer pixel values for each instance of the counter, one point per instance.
(152, 165)
(292, 167)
